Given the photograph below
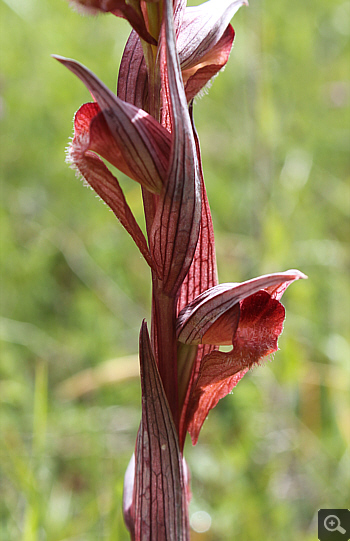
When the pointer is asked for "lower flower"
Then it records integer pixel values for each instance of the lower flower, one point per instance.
(247, 316)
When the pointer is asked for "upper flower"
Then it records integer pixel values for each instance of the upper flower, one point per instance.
(162, 154)
(204, 40)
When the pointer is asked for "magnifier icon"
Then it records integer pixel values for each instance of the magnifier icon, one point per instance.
(332, 524)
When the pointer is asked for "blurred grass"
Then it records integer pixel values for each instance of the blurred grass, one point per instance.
(274, 131)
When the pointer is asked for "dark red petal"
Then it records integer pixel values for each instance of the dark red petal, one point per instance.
(90, 125)
(143, 142)
(203, 27)
(196, 318)
(223, 330)
(260, 325)
(207, 398)
(195, 78)
(160, 497)
(84, 116)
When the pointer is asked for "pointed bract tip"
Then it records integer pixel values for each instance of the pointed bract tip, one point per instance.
(58, 57)
(143, 325)
(298, 275)
(62, 59)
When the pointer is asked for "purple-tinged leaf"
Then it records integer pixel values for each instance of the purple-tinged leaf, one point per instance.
(142, 141)
(160, 495)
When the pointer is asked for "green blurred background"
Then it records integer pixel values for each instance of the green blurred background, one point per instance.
(274, 131)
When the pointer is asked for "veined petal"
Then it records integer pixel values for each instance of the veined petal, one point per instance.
(133, 77)
(97, 175)
(176, 224)
(196, 77)
(120, 8)
(207, 396)
(202, 274)
(159, 509)
(92, 132)
(179, 11)
(202, 28)
(196, 319)
(143, 142)
(254, 335)
(260, 324)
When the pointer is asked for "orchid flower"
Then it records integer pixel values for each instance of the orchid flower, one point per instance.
(247, 316)
(147, 132)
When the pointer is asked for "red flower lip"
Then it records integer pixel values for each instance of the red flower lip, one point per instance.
(247, 316)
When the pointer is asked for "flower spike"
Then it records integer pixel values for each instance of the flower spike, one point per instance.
(148, 133)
